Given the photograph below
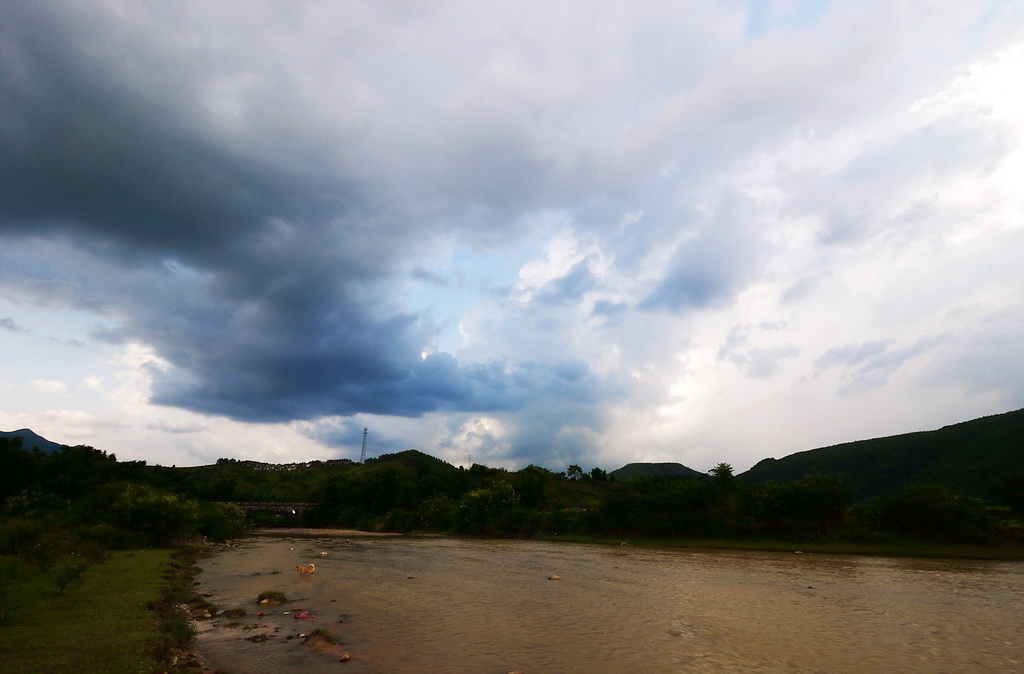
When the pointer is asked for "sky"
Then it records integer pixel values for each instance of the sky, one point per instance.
(508, 233)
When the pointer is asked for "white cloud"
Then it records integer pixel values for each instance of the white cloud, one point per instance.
(48, 386)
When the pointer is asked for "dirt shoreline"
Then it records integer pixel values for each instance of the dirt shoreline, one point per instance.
(333, 533)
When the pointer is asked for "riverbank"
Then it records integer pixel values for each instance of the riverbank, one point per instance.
(906, 548)
(332, 533)
(101, 623)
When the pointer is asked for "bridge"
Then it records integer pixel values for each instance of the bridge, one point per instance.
(290, 509)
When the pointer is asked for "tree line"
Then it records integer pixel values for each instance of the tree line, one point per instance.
(79, 499)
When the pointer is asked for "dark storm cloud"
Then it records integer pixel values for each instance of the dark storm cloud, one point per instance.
(261, 279)
(53, 293)
(88, 153)
(336, 432)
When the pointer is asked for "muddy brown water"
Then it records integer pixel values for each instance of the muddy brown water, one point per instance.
(406, 604)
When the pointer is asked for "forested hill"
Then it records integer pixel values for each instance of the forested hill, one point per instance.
(967, 456)
(30, 440)
(678, 470)
(832, 492)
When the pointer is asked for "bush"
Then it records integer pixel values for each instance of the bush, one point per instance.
(67, 570)
(438, 512)
(481, 510)
(403, 520)
(1009, 490)
(932, 513)
(320, 634)
(271, 596)
(221, 521)
(18, 535)
(107, 535)
(34, 504)
(812, 507)
(158, 516)
(658, 507)
(518, 522)
(563, 521)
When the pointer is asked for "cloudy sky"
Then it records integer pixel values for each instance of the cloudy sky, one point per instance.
(524, 232)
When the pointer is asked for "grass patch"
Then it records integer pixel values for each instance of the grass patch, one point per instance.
(176, 594)
(98, 624)
(325, 643)
(271, 597)
(896, 548)
(321, 635)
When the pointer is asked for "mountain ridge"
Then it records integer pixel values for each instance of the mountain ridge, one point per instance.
(968, 456)
(31, 440)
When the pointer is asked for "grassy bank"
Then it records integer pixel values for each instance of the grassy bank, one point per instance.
(886, 549)
(98, 624)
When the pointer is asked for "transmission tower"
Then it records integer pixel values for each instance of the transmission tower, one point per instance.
(362, 454)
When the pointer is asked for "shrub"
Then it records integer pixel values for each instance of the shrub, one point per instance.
(221, 521)
(271, 596)
(563, 521)
(438, 512)
(932, 513)
(66, 571)
(402, 520)
(813, 507)
(157, 515)
(480, 509)
(109, 536)
(1009, 490)
(320, 634)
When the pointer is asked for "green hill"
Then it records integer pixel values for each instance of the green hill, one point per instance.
(967, 456)
(634, 470)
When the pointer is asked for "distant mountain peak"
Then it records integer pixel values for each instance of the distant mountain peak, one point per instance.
(31, 440)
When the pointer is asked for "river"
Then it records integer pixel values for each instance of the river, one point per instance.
(432, 604)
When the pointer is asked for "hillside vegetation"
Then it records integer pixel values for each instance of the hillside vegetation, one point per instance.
(634, 470)
(962, 483)
(969, 457)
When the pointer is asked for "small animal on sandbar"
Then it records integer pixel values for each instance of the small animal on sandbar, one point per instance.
(306, 569)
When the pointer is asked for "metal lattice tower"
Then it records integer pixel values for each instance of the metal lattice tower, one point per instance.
(362, 454)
